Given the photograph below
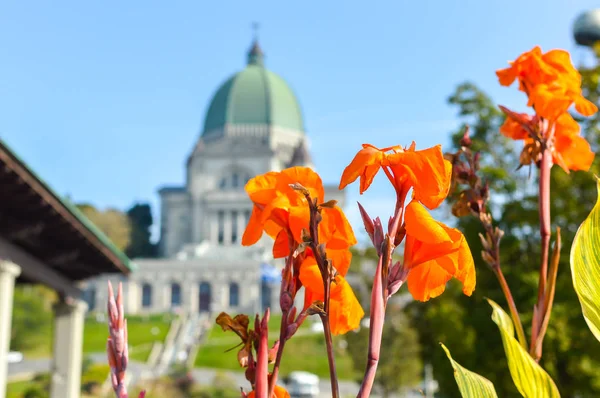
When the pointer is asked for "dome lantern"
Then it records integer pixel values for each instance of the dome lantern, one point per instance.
(586, 28)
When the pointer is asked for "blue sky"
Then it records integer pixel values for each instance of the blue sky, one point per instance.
(105, 99)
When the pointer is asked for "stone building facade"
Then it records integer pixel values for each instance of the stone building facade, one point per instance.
(253, 125)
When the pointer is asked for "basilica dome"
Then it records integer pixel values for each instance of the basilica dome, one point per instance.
(255, 96)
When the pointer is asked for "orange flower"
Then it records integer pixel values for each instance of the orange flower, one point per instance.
(550, 80)
(280, 210)
(426, 171)
(569, 150)
(433, 254)
(345, 311)
(513, 129)
(279, 392)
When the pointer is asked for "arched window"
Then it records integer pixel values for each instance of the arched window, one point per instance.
(90, 297)
(175, 295)
(204, 297)
(146, 295)
(246, 217)
(234, 294)
(221, 225)
(234, 226)
(265, 295)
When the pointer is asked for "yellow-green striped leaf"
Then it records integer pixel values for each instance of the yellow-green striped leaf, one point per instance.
(531, 380)
(470, 384)
(585, 267)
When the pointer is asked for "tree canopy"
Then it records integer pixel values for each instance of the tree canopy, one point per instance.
(571, 354)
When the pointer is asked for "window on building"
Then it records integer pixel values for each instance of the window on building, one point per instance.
(204, 297)
(234, 294)
(246, 217)
(235, 180)
(265, 295)
(175, 295)
(234, 226)
(223, 183)
(146, 295)
(90, 297)
(221, 222)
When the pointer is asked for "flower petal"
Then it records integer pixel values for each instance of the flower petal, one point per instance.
(421, 226)
(428, 280)
(345, 311)
(365, 165)
(429, 173)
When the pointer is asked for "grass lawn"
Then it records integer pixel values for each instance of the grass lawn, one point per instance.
(142, 332)
(16, 389)
(304, 351)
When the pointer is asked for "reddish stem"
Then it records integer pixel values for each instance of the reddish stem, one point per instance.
(282, 339)
(262, 357)
(544, 206)
(285, 288)
(376, 320)
(379, 299)
(326, 275)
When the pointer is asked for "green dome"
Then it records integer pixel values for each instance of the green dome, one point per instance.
(254, 96)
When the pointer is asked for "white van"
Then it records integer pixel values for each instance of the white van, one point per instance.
(302, 384)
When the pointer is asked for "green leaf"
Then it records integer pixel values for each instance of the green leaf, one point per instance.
(531, 380)
(470, 384)
(585, 267)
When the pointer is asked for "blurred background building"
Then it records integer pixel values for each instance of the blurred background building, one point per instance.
(253, 125)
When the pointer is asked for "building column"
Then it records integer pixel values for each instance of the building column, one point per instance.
(67, 349)
(197, 221)
(214, 228)
(193, 294)
(8, 274)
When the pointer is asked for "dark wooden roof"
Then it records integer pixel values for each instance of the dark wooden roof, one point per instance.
(50, 228)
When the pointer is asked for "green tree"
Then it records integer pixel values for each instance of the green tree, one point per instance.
(571, 354)
(400, 364)
(114, 223)
(140, 218)
(31, 319)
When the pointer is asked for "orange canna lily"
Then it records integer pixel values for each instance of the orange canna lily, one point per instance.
(550, 81)
(279, 392)
(433, 254)
(279, 210)
(345, 311)
(426, 171)
(569, 150)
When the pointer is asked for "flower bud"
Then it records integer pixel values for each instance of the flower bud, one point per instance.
(367, 221)
(466, 140)
(286, 301)
(290, 330)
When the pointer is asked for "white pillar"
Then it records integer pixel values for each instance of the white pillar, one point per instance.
(8, 274)
(241, 225)
(197, 225)
(214, 228)
(193, 294)
(67, 349)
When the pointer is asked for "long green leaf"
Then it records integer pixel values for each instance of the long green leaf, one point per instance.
(531, 380)
(585, 267)
(470, 384)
